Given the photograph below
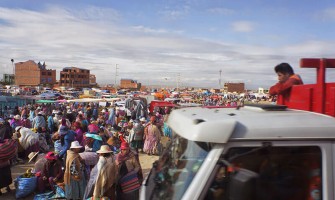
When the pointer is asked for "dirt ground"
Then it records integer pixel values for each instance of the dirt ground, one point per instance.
(145, 160)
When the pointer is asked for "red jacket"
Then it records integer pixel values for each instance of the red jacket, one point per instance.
(283, 90)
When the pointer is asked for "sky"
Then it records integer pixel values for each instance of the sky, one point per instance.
(190, 43)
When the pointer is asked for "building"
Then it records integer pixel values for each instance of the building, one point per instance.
(129, 84)
(234, 87)
(30, 73)
(93, 80)
(8, 79)
(74, 77)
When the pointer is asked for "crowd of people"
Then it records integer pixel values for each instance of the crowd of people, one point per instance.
(90, 151)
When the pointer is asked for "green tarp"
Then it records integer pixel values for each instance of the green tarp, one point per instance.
(45, 101)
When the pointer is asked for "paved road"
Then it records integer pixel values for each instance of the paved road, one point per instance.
(145, 160)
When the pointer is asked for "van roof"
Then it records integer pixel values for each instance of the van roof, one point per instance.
(264, 122)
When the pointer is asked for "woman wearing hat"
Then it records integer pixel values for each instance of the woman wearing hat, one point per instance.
(51, 173)
(93, 140)
(74, 176)
(39, 121)
(16, 121)
(127, 162)
(77, 128)
(103, 176)
(152, 136)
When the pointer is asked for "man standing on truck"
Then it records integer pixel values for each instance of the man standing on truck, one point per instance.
(286, 79)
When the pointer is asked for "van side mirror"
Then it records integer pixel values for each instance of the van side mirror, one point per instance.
(242, 185)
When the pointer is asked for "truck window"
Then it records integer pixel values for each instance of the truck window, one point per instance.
(177, 167)
(282, 173)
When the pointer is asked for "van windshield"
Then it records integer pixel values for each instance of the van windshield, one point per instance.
(177, 167)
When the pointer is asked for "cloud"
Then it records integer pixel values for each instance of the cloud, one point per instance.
(243, 26)
(174, 13)
(221, 11)
(97, 39)
(327, 14)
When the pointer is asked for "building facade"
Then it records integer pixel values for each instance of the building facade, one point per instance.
(74, 77)
(93, 80)
(8, 79)
(234, 87)
(30, 73)
(129, 84)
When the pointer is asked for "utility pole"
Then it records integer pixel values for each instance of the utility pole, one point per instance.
(116, 68)
(178, 79)
(220, 79)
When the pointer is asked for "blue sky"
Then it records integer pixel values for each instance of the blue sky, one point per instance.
(161, 41)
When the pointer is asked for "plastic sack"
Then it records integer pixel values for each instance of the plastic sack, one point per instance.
(43, 196)
(25, 186)
(59, 194)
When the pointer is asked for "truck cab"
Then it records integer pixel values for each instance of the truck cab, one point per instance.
(258, 151)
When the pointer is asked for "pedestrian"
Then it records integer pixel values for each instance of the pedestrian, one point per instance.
(28, 140)
(152, 137)
(67, 136)
(77, 128)
(5, 130)
(128, 165)
(16, 121)
(51, 173)
(137, 142)
(102, 182)
(25, 121)
(39, 121)
(51, 124)
(74, 176)
(286, 79)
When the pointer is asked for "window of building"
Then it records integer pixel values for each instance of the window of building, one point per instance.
(49, 73)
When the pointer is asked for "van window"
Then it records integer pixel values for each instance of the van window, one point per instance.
(281, 173)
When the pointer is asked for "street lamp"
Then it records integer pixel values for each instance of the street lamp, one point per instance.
(12, 60)
(12, 79)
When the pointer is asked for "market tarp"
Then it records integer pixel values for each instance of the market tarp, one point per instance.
(45, 101)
